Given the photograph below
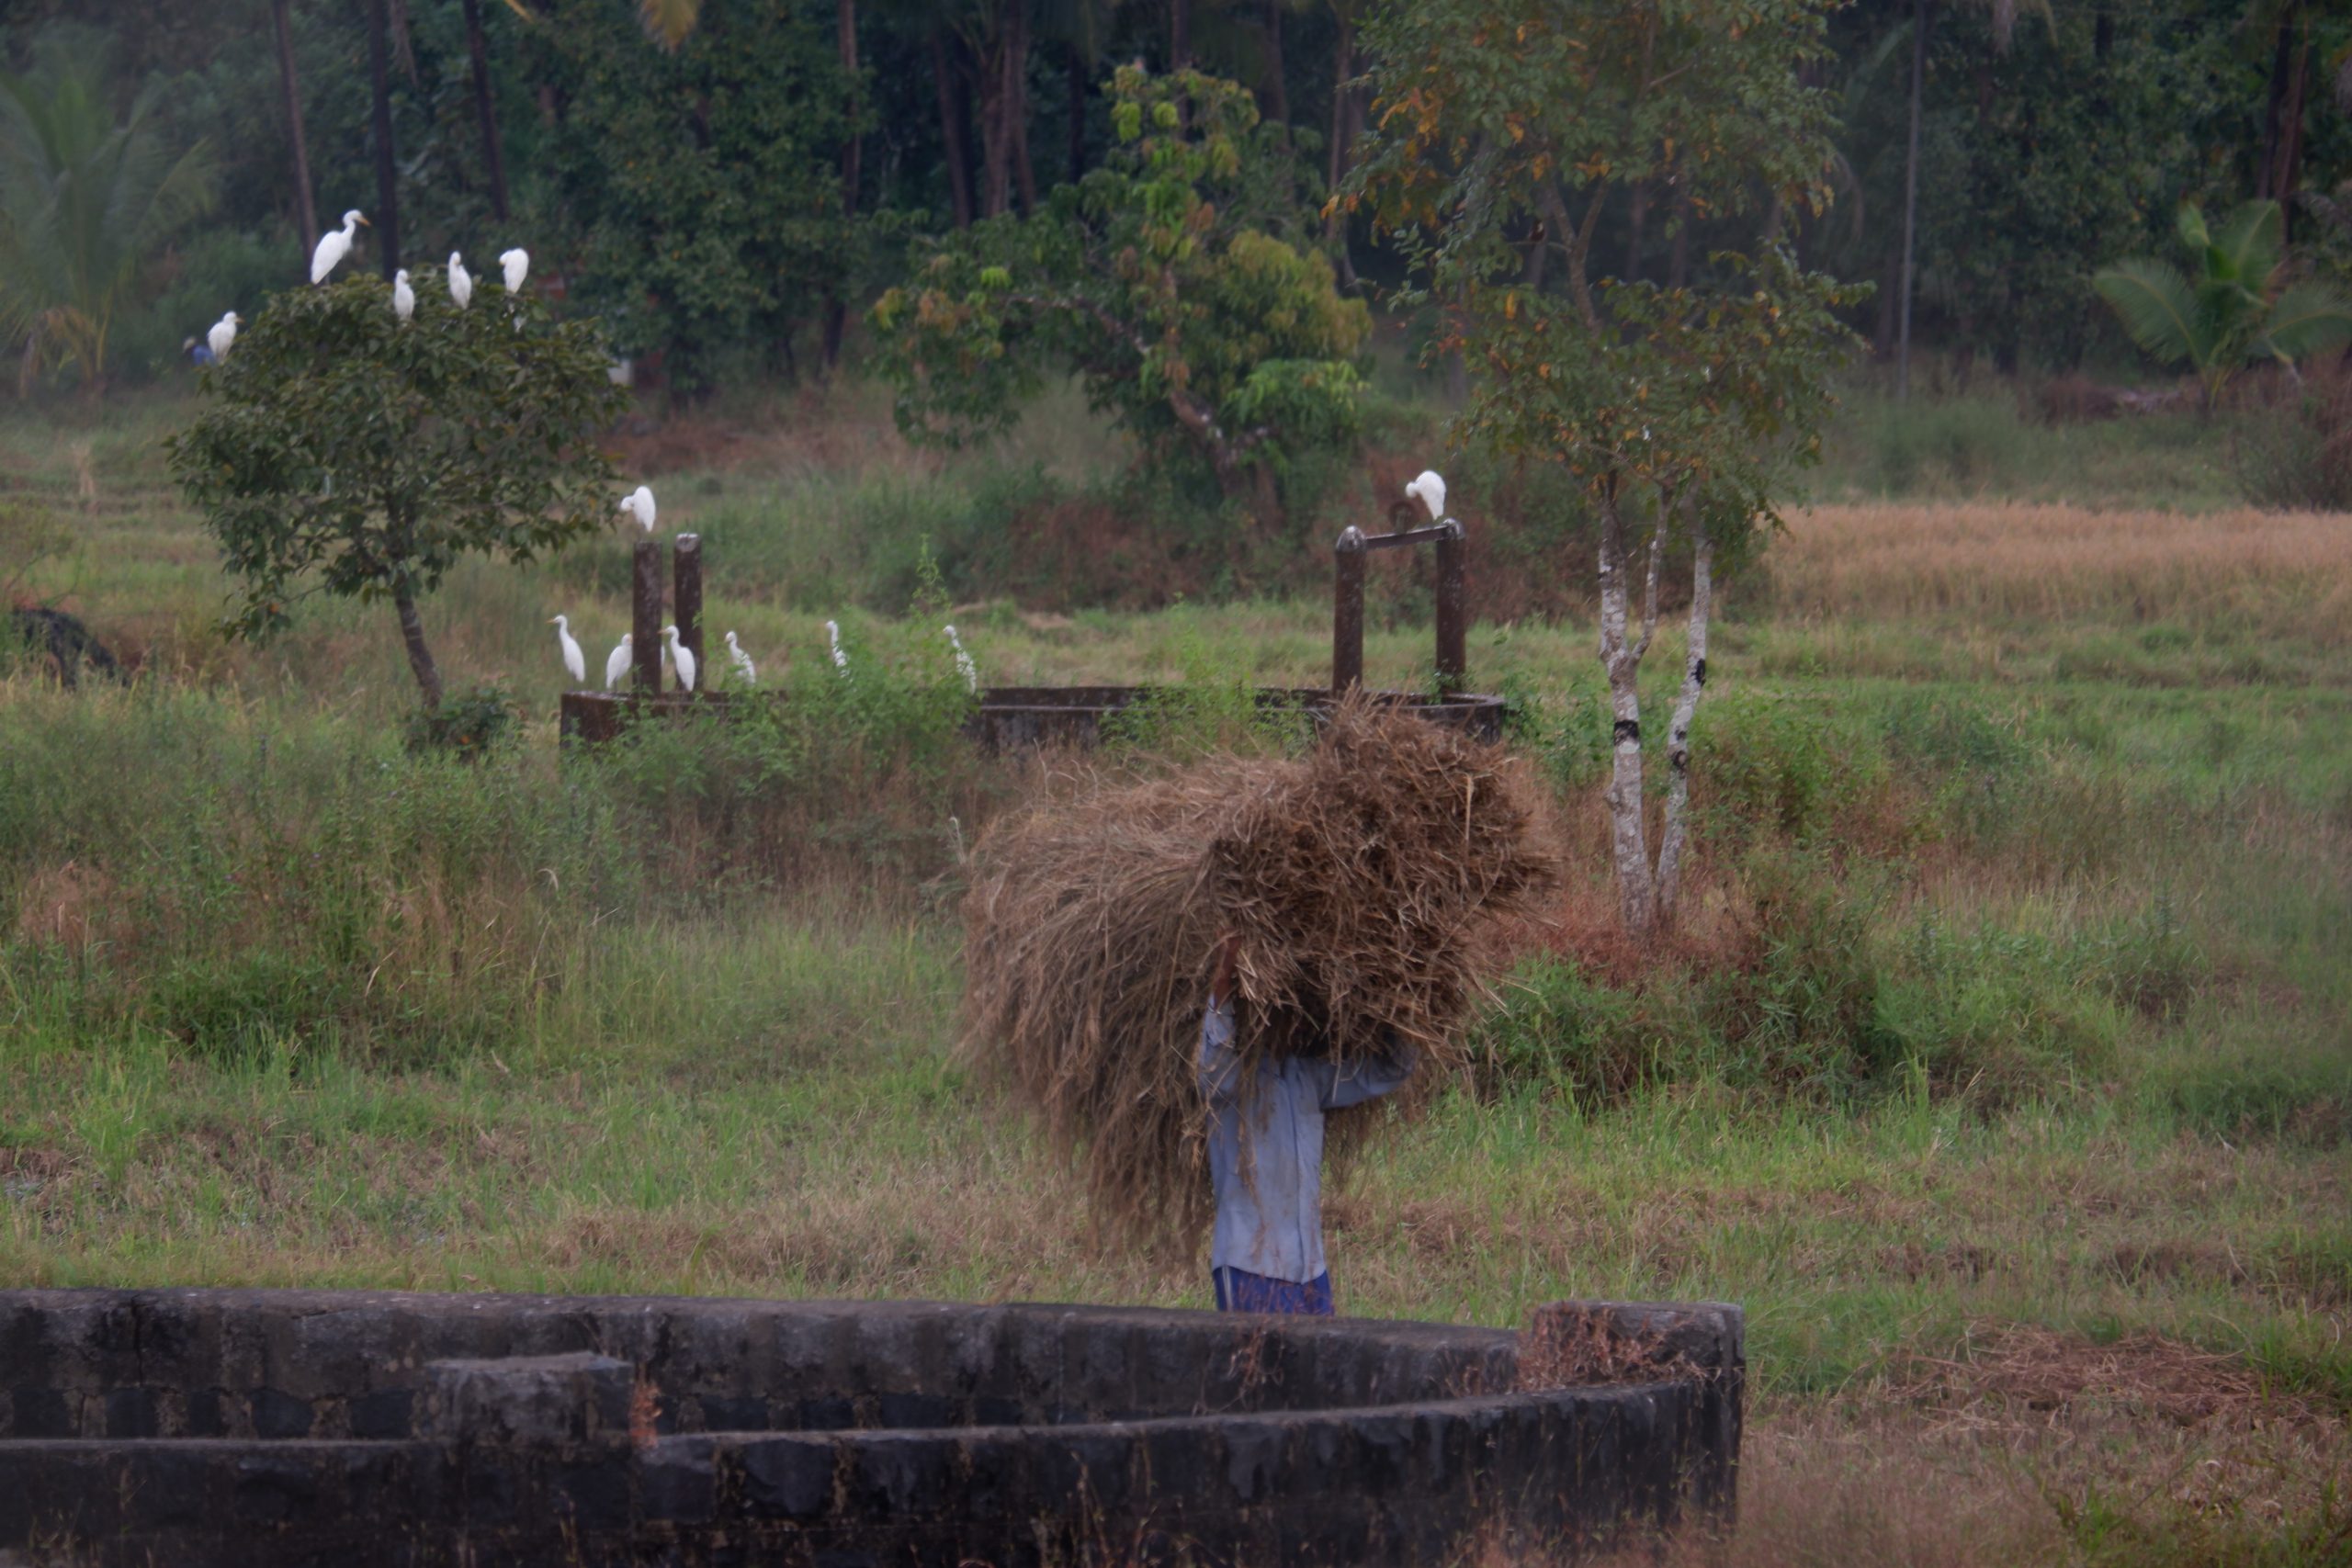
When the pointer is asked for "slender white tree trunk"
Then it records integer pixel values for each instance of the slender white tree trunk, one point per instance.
(1677, 743)
(1623, 663)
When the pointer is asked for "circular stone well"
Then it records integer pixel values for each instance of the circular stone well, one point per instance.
(260, 1428)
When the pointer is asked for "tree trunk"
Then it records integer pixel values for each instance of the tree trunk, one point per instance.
(1678, 261)
(951, 132)
(853, 153)
(493, 151)
(996, 99)
(1081, 84)
(1180, 35)
(1343, 70)
(1277, 85)
(1017, 108)
(420, 658)
(306, 207)
(1911, 197)
(1677, 741)
(1628, 844)
(1634, 236)
(388, 211)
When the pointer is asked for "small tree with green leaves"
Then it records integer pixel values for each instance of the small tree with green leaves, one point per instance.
(2237, 309)
(1504, 126)
(349, 453)
(1162, 280)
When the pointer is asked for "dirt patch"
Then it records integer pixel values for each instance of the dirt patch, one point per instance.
(70, 906)
(2012, 1375)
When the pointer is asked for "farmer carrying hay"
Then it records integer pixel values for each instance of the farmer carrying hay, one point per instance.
(1175, 974)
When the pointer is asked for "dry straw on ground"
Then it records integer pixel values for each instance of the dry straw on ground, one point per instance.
(1361, 880)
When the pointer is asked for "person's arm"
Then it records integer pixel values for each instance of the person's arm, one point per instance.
(1219, 1066)
(1352, 1083)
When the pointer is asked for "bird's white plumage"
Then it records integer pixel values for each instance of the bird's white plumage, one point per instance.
(1429, 490)
(638, 503)
(683, 657)
(742, 661)
(403, 296)
(964, 664)
(617, 662)
(516, 264)
(833, 637)
(572, 659)
(223, 333)
(333, 245)
(461, 282)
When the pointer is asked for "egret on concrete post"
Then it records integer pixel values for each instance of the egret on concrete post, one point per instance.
(638, 503)
(1429, 490)
(683, 657)
(616, 666)
(403, 296)
(742, 661)
(572, 657)
(223, 333)
(333, 245)
(461, 282)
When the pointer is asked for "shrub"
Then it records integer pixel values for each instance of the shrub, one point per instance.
(2299, 454)
(468, 725)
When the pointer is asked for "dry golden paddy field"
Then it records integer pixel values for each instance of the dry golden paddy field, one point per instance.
(2002, 1072)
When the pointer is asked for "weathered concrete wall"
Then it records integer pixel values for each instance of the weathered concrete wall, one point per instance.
(257, 1428)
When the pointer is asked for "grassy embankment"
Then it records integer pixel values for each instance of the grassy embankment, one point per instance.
(2001, 1071)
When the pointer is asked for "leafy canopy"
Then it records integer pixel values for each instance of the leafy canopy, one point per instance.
(84, 203)
(2236, 308)
(1162, 279)
(346, 453)
(1504, 128)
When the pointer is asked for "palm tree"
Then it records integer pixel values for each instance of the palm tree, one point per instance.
(83, 201)
(2236, 308)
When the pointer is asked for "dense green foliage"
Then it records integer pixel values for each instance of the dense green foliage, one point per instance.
(350, 452)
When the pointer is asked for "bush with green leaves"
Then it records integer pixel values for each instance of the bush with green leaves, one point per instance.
(1162, 280)
(345, 451)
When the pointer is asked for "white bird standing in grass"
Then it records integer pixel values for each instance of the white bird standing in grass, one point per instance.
(833, 636)
(617, 665)
(333, 245)
(964, 663)
(1429, 490)
(638, 503)
(403, 296)
(461, 282)
(742, 661)
(683, 657)
(516, 264)
(223, 333)
(572, 656)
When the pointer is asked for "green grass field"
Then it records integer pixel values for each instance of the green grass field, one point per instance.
(2003, 1068)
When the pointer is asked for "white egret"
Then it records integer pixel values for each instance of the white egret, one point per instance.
(333, 245)
(1429, 490)
(517, 265)
(403, 296)
(461, 282)
(833, 636)
(616, 666)
(683, 657)
(964, 663)
(638, 503)
(572, 657)
(223, 333)
(742, 661)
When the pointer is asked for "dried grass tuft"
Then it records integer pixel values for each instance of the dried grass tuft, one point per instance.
(1363, 881)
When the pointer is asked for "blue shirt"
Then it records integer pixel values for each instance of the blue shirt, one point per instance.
(1266, 1147)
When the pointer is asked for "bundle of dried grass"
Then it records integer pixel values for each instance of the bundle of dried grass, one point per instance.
(1361, 880)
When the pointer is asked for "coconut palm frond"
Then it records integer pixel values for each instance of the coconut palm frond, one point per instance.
(669, 21)
(2247, 245)
(2309, 318)
(2156, 306)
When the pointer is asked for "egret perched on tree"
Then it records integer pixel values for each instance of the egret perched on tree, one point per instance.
(683, 657)
(403, 296)
(517, 265)
(616, 666)
(333, 245)
(833, 636)
(638, 503)
(571, 658)
(461, 282)
(1429, 490)
(223, 333)
(742, 661)
(964, 663)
